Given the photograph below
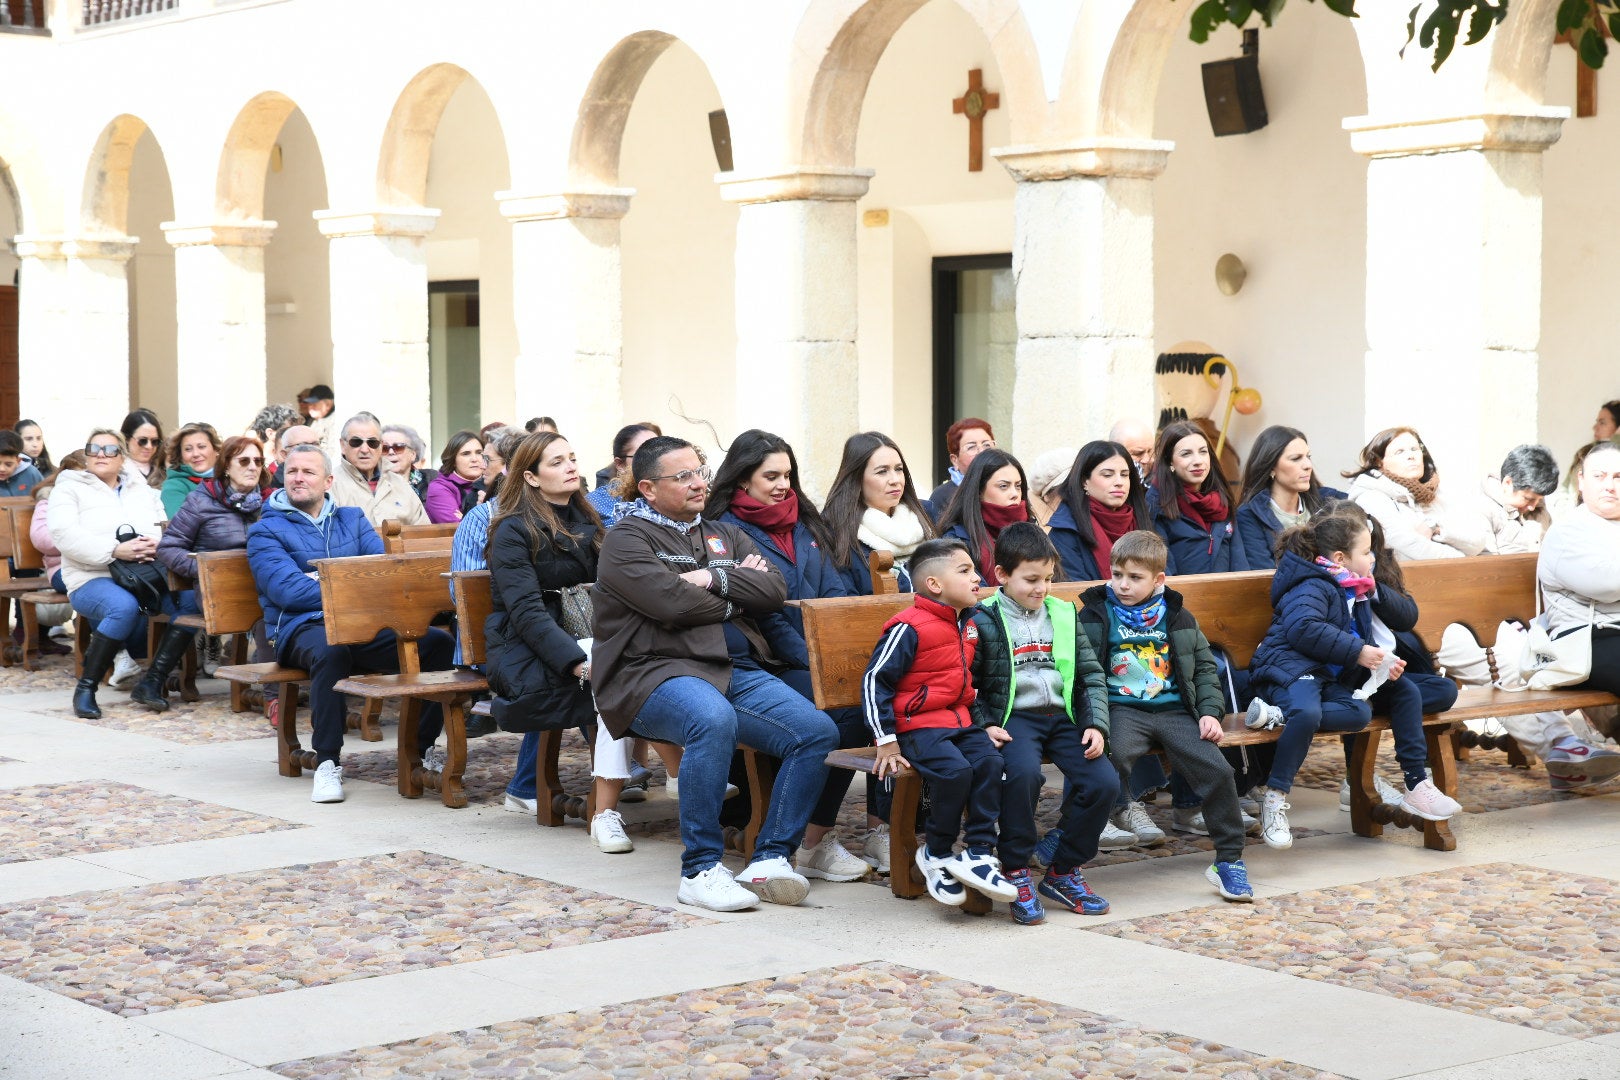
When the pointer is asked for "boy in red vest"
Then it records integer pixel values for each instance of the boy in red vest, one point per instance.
(917, 695)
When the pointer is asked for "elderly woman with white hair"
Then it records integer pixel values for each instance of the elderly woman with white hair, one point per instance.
(402, 450)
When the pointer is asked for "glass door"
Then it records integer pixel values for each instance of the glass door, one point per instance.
(975, 342)
(453, 361)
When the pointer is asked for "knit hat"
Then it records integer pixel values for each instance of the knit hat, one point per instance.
(1051, 470)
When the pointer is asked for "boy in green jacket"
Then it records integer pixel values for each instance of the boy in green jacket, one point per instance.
(1039, 678)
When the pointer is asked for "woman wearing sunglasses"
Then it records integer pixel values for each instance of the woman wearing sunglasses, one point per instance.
(145, 461)
(87, 512)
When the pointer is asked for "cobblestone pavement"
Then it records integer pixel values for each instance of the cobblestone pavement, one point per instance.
(1513, 943)
(391, 937)
(47, 821)
(1486, 782)
(854, 1021)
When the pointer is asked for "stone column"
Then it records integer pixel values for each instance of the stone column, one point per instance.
(569, 310)
(1083, 260)
(74, 333)
(380, 312)
(797, 368)
(1454, 280)
(219, 292)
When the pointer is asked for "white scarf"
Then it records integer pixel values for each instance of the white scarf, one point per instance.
(899, 532)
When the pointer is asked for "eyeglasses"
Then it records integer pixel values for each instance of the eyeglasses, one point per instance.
(388, 448)
(145, 440)
(103, 450)
(686, 476)
(246, 460)
(356, 442)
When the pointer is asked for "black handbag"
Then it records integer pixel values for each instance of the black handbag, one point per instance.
(145, 581)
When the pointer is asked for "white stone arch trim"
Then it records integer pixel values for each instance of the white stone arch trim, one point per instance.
(245, 157)
(837, 46)
(604, 110)
(407, 143)
(104, 206)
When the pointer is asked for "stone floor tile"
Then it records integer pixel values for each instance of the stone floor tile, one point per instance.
(53, 877)
(1517, 944)
(860, 1020)
(184, 943)
(49, 821)
(1581, 1060)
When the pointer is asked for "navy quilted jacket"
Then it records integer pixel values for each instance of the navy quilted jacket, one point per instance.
(1311, 630)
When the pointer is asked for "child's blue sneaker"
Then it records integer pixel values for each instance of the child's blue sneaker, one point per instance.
(1046, 850)
(941, 885)
(1072, 892)
(1026, 909)
(1231, 880)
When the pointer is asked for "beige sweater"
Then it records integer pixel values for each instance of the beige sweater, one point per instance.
(393, 497)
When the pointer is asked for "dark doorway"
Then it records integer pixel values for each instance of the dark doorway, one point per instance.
(975, 339)
(10, 402)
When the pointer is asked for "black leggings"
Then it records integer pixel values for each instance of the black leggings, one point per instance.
(1605, 660)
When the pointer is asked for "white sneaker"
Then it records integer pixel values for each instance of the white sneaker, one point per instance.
(520, 806)
(1134, 820)
(716, 890)
(328, 783)
(434, 759)
(774, 880)
(126, 671)
(1190, 820)
(1114, 838)
(672, 788)
(1274, 821)
(1261, 716)
(877, 849)
(63, 633)
(1430, 803)
(831, 861)
(1389, 793)
(607, 829)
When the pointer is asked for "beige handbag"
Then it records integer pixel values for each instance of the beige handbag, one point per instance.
(1551, 663)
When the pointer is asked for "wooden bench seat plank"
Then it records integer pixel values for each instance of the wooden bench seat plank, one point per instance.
(271, 674)
(426, 684)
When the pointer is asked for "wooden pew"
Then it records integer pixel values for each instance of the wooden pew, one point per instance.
(1234, 611)
(25, 556)
(11, 587)
(399, 538)
(470, 591)
(364, 595)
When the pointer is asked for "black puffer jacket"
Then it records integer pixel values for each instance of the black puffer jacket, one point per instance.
(529, 656)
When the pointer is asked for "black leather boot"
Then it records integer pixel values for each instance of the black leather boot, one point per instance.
(149, 691)
(98, 657)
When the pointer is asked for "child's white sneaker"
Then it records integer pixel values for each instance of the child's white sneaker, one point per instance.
(830, 860)
(979, 870)
(1430, 803)
(877, 849)
(941, 885)
(1134, 819)
(1274, 828)
(607, 829)
(1261, 715)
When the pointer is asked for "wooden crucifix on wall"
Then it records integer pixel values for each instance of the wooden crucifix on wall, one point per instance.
(974, 104)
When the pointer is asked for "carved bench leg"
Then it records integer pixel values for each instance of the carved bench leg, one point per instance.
(761, 779)
(548, 789)
(288, 752)
(1516, 756)
(451, 793)
(904, 878)
(1437, 834)
(188, 675)
(30, 623)
(1363, 759)
(370, 720)
(410, 759)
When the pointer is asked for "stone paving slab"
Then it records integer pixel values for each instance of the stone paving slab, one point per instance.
(859, 1020)
(200, 940)
(48, 821)
(1506, 942)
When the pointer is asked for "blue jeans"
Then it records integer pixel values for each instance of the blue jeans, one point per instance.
(1310, 704)
(757, 709)
(112, 611)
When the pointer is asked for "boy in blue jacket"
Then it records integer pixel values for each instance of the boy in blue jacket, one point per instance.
(917, 696)
(301, 523)
(1039, 679)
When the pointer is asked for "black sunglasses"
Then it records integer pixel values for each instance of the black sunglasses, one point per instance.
(357, 442)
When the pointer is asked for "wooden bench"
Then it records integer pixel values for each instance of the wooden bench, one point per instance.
(1234, 611)
(16, 512)
(364, 595)
(25, 556)
(399, 538)
(469, 589)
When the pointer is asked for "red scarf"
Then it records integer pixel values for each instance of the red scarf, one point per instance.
(1203, 509)
(777, 519)
(997, 518)
(1109, 524)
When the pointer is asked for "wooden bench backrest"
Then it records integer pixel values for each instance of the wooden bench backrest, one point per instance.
(1234, 611)
(226, 592)
(398, 539)
(23, 552)
(474, 603)
(885, 582)
(363, 595)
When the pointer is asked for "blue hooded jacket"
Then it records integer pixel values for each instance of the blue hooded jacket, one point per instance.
(1312, 631)
(280, 546)
(1216, 550)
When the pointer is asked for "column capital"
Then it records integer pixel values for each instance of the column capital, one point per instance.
(219, 234)
(824, 184)
(415, 221)
(598, 203)
(1101, 156)
(1532, 131)
(114, 247)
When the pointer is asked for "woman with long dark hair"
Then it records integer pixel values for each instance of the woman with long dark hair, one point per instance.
(990, 497)
(34, 451)
(145, 463)
(544, 538)
(1103, 499)
(873, 505)
(757, 489)
(1280, 490)
(1191, 504)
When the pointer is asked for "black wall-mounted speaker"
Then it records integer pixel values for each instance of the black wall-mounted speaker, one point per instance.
(1232, 91)
(720, 135)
